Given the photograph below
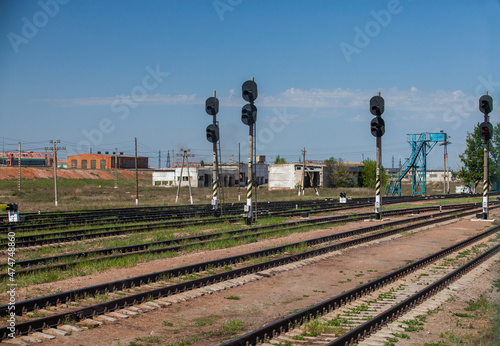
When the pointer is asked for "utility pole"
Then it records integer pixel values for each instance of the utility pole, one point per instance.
(239, 173)
(185, 156)
(168, 159)
(19, 169)
(303, 170)
(116, 168)
(136, 176)
(445, 163)
(54, 151)
(159, 158)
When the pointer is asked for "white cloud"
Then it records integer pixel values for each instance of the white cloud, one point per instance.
(412, 100)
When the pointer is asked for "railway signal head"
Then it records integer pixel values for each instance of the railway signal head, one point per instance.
(377, 127)
(249, 114)
(486, 131)
(377, 105)
(212, 105)
(249, 91)
(213, 133)
(486, 104)
(12, 206)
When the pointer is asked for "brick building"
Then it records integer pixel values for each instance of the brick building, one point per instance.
(105, 161)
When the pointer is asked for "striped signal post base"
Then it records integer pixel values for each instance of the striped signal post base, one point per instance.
(378, 199)
(249, 203)
(486, 184)
(215, 203)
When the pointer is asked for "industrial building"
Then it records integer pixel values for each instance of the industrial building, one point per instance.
(290, 175)
(106, 161)
(200, 175)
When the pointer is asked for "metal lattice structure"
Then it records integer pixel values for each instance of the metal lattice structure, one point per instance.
(421, 145)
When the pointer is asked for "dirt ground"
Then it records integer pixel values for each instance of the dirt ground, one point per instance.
(10, 173)
(205, 320)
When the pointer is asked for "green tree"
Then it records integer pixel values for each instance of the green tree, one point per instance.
(369, 173)
(279, 160)
(340, 176)
(472, 159)
(495, 154)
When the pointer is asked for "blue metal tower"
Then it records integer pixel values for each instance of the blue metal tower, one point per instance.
(421, 145)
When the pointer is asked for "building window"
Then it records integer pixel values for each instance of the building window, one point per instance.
(93, 164)
(103, 164)
(74, 163)
(184, 178)
(84, 164)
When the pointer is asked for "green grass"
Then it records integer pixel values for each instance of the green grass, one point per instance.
(232, 326)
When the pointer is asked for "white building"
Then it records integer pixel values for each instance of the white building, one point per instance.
(201, 176)
(437, 175)
(290, 175)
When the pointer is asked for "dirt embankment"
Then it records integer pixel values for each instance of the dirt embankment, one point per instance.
(11, 173)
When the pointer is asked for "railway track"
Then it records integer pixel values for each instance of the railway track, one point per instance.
(67, 261)
(167, 292)
(351, 317)
(126, 215)
(39, 238)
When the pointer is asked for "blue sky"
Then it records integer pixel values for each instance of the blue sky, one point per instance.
(99, 73)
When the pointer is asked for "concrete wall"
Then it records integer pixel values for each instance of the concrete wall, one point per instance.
(283, 176)
(438, 176)
(202, 176)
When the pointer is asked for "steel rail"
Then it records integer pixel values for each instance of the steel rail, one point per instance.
(96, 213)
(288, 323)
(371, 326)
(55, 299)
(176, 244)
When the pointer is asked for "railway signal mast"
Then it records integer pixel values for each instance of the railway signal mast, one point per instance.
(212, 108)
(249, 117)
(486, 131)
(377, 128)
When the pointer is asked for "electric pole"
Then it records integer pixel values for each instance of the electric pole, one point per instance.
(19, 169)
(303, 170)
(239, 172)
(54, 151)
(116, 168)
(185, 156)
(136, 176)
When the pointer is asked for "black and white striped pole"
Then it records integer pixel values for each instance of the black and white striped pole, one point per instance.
(377, 128)
(212, 108)
(249, 117)
(486, 132)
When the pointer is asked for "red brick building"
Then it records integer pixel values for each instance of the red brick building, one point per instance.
(105, 161)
